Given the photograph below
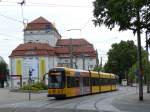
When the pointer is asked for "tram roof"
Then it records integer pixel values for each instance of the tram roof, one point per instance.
(94, 72)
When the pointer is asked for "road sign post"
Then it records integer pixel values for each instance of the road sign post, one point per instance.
(30, 74)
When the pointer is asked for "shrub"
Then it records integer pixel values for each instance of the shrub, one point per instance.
(35, 87)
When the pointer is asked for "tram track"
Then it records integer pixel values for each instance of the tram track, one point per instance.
(79, 103)
(44, 105)
(38, 109)
(76, 103)
(110, 96)
(104, 96)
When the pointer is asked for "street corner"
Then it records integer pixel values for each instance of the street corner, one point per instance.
(131, 103)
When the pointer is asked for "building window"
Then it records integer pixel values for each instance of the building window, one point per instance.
(66, 61)
(18, 83)
(91, 59)
(30, 58)
(91, 66)
(47, 28)
(30, 41)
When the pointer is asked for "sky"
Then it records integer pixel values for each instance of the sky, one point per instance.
(66, 15)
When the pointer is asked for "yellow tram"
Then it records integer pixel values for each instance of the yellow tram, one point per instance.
(65, 82)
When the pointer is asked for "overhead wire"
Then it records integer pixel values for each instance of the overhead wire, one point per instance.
(40, 4)
(85, 24)
(48, 4)
(7, 1)
(12, 37)
(55, 5)
(10, 18)
(13, 19)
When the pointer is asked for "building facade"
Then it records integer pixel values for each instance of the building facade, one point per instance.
(43, 49)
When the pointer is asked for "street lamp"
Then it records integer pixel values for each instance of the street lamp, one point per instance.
(71, 48)
(75, 29)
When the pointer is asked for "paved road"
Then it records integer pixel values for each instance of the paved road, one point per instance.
(7, 97)
(104, 102)
(130, 103)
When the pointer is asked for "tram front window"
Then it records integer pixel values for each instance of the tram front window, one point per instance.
(56, 80)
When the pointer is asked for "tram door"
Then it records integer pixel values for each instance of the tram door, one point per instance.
(81, 85)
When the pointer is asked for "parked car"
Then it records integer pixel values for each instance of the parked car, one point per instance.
(124, 82)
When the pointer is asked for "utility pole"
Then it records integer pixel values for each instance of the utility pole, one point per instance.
(21, 4)
(148, 84)
(71, 54)
(75, 63)
(71, 48)
(140, 77)
(97, 60)
(30, 74)
(147, 42)
(83, 59)
(101, 63)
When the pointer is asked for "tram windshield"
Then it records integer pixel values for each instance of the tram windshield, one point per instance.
(56, 80)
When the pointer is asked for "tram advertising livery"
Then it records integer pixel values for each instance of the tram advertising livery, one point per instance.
(65, 82)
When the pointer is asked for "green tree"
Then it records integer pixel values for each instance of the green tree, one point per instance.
(121, 57)
(123, 13)
(127, 14)
(133, 72)
(98, 68)
(3, 73)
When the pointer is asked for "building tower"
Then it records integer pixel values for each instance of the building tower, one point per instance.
(37, 52)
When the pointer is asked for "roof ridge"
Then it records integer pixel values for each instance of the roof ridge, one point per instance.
(40, 20)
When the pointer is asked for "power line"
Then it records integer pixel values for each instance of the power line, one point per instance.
(56, 5)
(7, 1)
(47, 4)
(6, 35)
(10, 18)
(86, 24)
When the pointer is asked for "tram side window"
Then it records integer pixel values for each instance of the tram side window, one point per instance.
(72, 82)
(100, 81)
(104, 81)
(86, 81)
(76, 81)
(113, 81)
(69, 82)
(109, 81)
(95, 81)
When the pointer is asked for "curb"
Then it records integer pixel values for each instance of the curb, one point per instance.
(27, 91)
